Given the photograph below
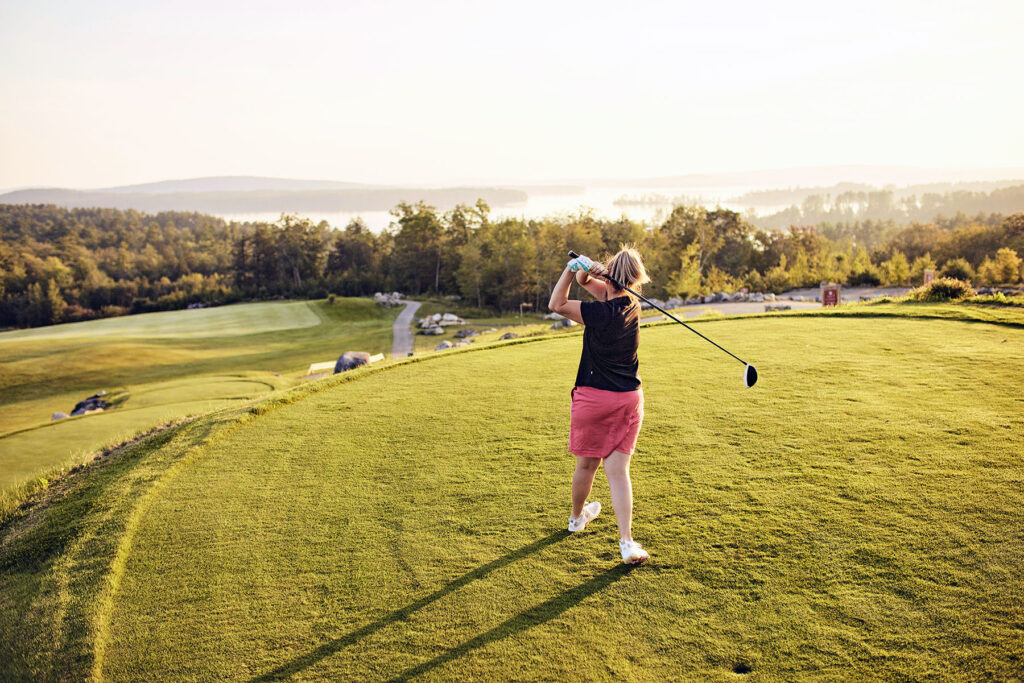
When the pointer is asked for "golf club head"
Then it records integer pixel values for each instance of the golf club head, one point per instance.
(749, 376)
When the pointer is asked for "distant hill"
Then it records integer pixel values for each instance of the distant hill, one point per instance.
(264, 201)
(234, 184)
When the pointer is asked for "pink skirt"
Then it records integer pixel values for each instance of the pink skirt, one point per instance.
(604, 421)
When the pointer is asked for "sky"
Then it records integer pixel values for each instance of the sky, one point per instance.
(101, 93)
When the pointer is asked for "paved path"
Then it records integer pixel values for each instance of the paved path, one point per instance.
(402, 346)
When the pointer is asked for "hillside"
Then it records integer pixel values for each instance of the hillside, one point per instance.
(855, 515)
(262, 201)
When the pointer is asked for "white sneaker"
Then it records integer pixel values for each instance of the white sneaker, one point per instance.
(632, 553)
(590, 510)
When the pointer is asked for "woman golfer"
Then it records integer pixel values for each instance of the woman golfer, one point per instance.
(607, 402)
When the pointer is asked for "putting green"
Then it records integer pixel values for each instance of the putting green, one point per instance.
(220, 321)
(856, 515)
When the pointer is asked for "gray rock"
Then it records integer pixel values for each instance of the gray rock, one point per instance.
(768, 308)
(757, 298)
(509, 335)
(443, 345)
(58, 416)
(564, 322)
(92, 404)
(468, 332)
(436, 329)
(350, 360)
(693, 301)
(674, 302)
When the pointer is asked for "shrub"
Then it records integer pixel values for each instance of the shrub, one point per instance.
(330, 299)
(942, 289)
(958, 269)
(869, 277)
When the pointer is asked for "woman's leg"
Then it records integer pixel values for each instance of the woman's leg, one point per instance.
(616, 468)
(582, 481)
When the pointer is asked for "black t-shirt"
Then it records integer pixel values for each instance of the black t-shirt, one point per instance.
(610, 341)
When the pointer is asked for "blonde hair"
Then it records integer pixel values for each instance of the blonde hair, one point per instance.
(627, 268)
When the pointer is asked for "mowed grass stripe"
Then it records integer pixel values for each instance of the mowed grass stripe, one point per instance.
(854, 515)
(236, 319)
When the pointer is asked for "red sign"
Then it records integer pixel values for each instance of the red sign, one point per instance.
(830, 295)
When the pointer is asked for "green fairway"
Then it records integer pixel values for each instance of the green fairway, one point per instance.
(855, 515)
(168, 365)
(222, 321)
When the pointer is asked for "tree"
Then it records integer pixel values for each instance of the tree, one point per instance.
(897, 270)
(686, 281)
(1004, 269)
(958, 269)
(921, 264)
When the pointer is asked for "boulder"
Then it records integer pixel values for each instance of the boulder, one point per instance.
(58, 416)
(757, 297)
(92, 404)
(694, 300)
(674, 302)
(388, 300)
(443, 345)
(768, 308)
(564, 322)
(350, 360)
(553, 316)
(646, 306)
(509, 335)
(737, 296)
(468, 332)
(433, 330)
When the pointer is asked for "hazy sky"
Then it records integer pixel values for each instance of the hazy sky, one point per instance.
(101, 93)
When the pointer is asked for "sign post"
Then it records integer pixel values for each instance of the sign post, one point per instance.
(929, 275)
(829, 294)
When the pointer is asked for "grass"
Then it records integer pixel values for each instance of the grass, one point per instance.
(167, 366)
(855, 515)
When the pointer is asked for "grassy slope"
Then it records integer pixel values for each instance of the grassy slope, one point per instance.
(854, 515)
(220, 354)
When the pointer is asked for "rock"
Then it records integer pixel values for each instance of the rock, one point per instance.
(693, 301)
(757, 297)
(509, 335)
(464, 342)
(58, 416)
(92, 404)
(797, 298)
(768, 308)
(388, 300)
(451, 319)
(564, 322)
(707, 299)
(468, 332)
(443, 345)
(737, 296)
(434, 330)
(646, 306)
(553, 316)
(769, 297)
(721, 296)
(350, 360)
(674, 302)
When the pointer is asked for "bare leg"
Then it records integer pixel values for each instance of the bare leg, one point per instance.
(616, 468)
(582, 481)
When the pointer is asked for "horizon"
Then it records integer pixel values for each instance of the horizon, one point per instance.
(394, 93)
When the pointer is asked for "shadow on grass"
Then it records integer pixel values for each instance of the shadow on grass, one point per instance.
(329, 648)
(535, 616)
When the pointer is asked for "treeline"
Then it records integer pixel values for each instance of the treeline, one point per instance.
(59, 265)
(887, 205)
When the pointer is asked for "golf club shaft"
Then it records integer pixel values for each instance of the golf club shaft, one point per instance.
(609, 278)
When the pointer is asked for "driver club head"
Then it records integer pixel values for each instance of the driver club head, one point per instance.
(749, 376)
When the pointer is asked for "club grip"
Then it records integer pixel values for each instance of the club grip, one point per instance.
(609, 278)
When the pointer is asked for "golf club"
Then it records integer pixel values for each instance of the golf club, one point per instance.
(749, 371)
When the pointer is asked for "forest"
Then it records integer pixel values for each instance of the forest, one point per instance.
(65, 265)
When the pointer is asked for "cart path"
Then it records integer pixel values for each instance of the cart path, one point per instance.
(402, 345)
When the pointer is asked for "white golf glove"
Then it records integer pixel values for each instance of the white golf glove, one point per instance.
(580, 263)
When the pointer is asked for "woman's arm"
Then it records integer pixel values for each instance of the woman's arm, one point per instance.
(601, 290)
(560, 302)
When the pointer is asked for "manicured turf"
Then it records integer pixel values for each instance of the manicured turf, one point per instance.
(855, 515)
(180, 369)
(222, 321)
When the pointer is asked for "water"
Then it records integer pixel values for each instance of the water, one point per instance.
(539, 204)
